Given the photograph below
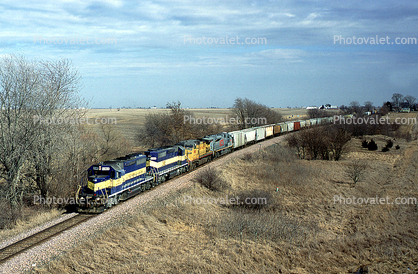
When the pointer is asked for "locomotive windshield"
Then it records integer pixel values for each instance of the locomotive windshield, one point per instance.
(99, 173)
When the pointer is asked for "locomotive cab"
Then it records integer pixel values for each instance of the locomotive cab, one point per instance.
(100, 180)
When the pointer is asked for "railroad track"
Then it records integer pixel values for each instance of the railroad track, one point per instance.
(16, 248)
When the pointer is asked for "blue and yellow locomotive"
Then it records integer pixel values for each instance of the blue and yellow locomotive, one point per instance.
(117, 180)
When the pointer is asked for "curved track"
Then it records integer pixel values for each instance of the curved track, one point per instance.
(40, 237)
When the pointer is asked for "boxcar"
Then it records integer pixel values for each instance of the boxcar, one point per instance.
(302, 123)
(296, 125)
(260, 133)
(249, 135)
(283, 127)
(276, 129)
(313, 121)
(269, 130)
(238, 138)
(290, 126)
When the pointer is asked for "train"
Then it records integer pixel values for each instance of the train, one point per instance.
(114, 181)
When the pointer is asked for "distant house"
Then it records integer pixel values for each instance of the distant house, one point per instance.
(311, 108)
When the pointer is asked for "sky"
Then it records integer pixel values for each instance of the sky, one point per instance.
(207, 53)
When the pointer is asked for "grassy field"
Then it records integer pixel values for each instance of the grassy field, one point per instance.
(302, 229)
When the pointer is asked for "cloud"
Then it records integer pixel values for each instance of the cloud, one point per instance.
(150, 39)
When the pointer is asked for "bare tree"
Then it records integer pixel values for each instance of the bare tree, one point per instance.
(368, 106)
(324, 143)
(316, 113)
(179, 129)
(410, 100)
(397, 99)
(355, 107)
(157, 131)
(111, 143)
(310, 143)
(32, 94)
(338, 139)
(247, 110)
(356, 170)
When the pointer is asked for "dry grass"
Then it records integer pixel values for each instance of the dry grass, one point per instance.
(302, 230)
(33, 219)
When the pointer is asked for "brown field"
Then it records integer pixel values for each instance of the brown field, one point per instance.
(130, 121)
(301, 230)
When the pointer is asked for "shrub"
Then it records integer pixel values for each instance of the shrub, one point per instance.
(323, 143)
(8, 215)
(247, 157)
(355, 170)
(364, 144)
(210, 179)
(278, 153)
(397, 147)
(372, 145)
(389, 143)
(385, 149)
(255, 199)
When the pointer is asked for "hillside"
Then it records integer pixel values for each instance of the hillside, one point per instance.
(302, 229)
